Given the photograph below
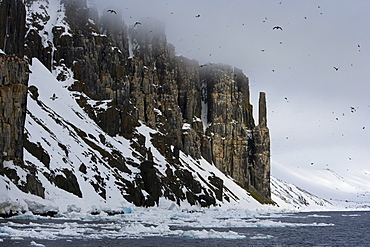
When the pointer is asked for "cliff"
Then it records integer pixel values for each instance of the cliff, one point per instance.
(135, 79)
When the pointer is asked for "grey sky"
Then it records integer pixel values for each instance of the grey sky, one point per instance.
(306, 96)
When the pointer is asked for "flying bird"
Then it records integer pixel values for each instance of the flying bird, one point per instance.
(352, 109)
(336, 68)
(137, 23)
(54, 97)
(197, 16)
(277, 27)
(112, 11)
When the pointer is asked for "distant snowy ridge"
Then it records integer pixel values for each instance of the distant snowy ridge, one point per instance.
(285, 193)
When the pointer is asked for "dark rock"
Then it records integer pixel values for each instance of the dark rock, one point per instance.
(68, 182)
(34, 186)
(34, 92)
(151, 182)
(12, 27)
(218, 183)
(82, 168)
(37, 151)
(13, 99)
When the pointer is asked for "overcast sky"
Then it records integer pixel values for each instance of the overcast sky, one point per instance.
(309, 102)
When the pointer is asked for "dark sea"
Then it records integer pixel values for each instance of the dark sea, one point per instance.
(298, 229)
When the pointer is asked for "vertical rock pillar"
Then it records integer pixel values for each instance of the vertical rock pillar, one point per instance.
(262, 115)
(13, 98)
(261, 156)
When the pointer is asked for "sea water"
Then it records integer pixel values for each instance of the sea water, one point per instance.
(187, 229)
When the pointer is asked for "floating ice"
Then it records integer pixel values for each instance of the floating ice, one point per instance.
(211, 234)
(318, 216)
(149, 222)
(33, 243)
(262, 236)
(351, 215)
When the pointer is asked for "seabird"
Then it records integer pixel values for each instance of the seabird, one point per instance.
(197, 16)
(54, 97)
(277, 27)
(137, 23)
(336, 68)
(112, 11)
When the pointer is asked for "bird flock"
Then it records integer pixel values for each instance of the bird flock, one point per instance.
(274, 28)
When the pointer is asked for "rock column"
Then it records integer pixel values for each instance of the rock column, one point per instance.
(261, 154)
(13, 95)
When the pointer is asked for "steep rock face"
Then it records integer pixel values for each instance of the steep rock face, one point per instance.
(238, 147)
(128, 77)
(13, 95)
(12, 27)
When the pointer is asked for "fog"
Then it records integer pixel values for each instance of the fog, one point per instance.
(309, 102)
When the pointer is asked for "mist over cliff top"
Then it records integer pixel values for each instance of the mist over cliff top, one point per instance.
(314, 70)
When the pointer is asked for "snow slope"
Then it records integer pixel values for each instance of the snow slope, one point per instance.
(341, 186)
